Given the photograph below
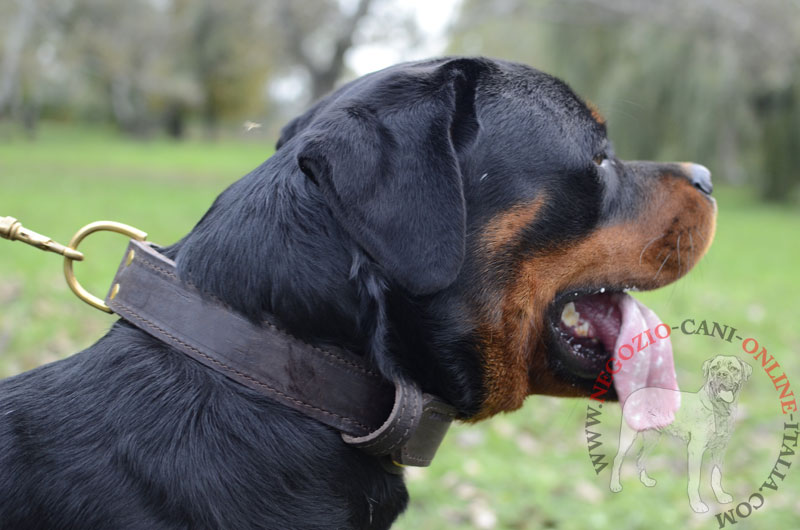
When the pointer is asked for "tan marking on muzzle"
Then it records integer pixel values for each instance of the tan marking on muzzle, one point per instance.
(648, 252)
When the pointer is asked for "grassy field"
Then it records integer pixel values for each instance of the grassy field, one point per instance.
(529, 469)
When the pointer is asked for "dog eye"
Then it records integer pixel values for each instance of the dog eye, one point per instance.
(599, 159)
(734, 369)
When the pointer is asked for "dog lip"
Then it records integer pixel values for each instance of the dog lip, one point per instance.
(570, 295)
(710, 199)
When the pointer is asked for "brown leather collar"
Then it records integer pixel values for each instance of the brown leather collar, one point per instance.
(328, 384)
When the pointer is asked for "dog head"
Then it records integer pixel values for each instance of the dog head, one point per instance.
(484, 197)
(725, 375)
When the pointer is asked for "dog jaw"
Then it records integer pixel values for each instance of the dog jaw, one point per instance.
(672, 230)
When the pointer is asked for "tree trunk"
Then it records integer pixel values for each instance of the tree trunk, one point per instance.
(175, 120)
(13, 47)
(780, 139)
(323, 76)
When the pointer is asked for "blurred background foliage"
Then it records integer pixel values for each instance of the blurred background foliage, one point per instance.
(713, 80)
(154, 65)
(710, 80)
(142, 111)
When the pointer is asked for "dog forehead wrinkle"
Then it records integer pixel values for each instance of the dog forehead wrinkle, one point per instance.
(543, 94)
(531, 137)
(727, 360)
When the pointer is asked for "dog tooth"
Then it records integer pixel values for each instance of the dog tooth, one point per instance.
(569, 315)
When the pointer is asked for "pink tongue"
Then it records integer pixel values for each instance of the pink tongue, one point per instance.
(646, 383)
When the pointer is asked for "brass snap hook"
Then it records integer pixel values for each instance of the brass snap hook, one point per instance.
(69, 274)
(13, 230)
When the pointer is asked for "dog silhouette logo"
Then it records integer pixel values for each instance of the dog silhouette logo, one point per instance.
(703, 419)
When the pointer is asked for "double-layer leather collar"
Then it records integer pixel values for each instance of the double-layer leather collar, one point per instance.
(331, 385)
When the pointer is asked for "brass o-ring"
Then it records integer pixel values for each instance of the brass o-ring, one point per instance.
(98, 226)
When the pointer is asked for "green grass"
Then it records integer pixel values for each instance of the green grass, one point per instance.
(529, 469)
(72, 176)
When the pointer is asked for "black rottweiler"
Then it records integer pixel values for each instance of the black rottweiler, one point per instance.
(438, 217)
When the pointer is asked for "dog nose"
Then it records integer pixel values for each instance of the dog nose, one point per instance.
(700, 177)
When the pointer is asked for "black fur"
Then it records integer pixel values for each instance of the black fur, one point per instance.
(360, 231)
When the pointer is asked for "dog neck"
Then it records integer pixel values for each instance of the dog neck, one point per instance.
(265, 246)
(269, 246)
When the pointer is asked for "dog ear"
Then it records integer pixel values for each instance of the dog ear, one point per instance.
(385, 160)
(747, 370)
(706, 367)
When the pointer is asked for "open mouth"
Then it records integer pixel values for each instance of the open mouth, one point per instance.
(725, 391)
(585, 325)
(600, 330)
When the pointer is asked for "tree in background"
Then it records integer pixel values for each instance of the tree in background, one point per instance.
(146, 64)
(224, 49)
(714, 81)
(14, 83)
(319, 48)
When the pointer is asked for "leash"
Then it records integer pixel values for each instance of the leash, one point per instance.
(392, 420)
